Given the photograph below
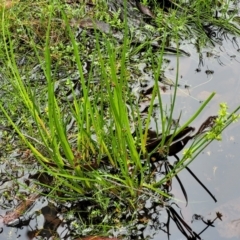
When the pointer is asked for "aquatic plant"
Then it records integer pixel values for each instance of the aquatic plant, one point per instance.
(92, 138)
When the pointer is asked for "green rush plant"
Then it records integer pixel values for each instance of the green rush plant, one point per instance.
(109, 130)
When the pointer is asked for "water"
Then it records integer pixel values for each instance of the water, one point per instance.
(218, 165)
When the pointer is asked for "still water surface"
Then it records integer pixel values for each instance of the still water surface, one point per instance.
(218, 167)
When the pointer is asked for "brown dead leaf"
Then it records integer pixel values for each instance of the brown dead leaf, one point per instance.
(145, 10)
(90, 23)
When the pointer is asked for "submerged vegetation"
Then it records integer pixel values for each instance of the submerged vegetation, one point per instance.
(70, 74)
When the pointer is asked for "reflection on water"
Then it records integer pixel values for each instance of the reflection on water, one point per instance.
(218, 166)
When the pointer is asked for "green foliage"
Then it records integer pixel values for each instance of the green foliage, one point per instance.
(106, 113)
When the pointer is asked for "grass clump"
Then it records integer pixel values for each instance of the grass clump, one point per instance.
(94, 141)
